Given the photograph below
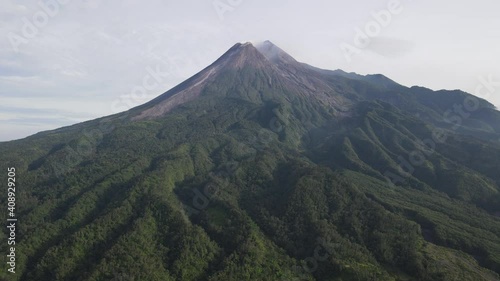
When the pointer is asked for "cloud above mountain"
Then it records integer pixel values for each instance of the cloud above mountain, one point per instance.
(87, 55)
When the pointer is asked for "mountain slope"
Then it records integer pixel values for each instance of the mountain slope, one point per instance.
(263, 168)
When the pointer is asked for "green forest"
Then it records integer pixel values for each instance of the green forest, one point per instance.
(254, 180)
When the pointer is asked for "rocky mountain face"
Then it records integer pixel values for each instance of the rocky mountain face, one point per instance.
(260, 167)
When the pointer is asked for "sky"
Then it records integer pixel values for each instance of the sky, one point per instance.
(67, 61)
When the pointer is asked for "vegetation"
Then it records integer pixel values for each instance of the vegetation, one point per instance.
(257, 182)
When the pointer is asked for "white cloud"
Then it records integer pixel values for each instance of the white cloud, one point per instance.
(92, 52)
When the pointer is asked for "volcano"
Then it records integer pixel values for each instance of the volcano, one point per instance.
(260, 167)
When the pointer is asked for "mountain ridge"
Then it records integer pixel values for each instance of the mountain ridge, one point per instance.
(263, 168)
(270, 58)
(140, 112)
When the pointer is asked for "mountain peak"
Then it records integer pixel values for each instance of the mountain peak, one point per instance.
(274, 53)
(265, 58)
(256, 55)
(241, 54)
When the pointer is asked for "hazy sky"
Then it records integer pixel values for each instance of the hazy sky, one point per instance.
(67, 61)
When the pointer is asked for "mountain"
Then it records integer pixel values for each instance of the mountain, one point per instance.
(260, 167)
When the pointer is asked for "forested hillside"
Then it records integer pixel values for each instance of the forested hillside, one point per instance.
(263, 168)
